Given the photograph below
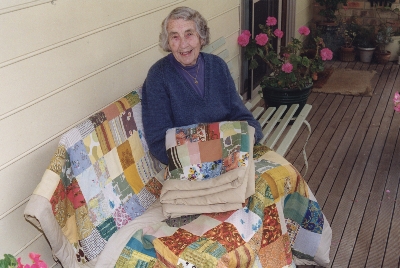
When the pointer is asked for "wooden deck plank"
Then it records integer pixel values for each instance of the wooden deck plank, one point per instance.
(320, 130)
(354, 197)
(353, 154)
(379, 155)
(329, 141)
(379, 234)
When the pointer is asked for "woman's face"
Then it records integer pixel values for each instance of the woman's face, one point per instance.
(184, 41)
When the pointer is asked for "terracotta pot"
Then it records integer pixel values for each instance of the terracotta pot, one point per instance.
(382, 57)
(347, 54)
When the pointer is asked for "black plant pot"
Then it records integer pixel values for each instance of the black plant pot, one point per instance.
(275, 97)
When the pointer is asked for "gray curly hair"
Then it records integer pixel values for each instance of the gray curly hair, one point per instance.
(185, 13)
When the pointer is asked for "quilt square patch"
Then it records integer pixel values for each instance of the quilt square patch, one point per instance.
(295, 207)
(83, 222)
(98, 119)
(178, 241)
(117, 130)
(227, 235)
(133, 207)
(314, 219)
(154, 187)
(85, 128)
(275, 254)
(75, 195)
(122, 188)
(79, 158)
(246, 222)
(101, 170)
(99, 209)
(128, 122)
(125, 155)
(271, 224)
(93, 245)
(120, 216)
(111, 198)
(307, 242)
(133, 98)
(105, 137)
(203, 253)
(293, 229)
(92, 146)
(89, 183)
(107, 228)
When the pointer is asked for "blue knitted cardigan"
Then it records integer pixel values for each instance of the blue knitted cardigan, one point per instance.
(169, 101)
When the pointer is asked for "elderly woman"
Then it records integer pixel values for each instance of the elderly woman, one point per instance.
(188, 86)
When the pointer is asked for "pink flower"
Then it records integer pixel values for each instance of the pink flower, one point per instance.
(271, 21)
(243, 39)
(304, 30)
(396, 101)
(247, 32)
(278, 33)
(37, 262)
(326, 54)
(287, 67)
(286, 55)
(261, 39)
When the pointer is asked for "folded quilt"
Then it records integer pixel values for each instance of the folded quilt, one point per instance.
(225, 187)
(281, 225)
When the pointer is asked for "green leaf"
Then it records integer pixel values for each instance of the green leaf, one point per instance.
(253, 64)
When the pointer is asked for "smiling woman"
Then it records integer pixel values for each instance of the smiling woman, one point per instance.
(188, 86)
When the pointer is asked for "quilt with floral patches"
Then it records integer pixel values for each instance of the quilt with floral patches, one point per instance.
(280, 225)
(98, 206)
(101, 177)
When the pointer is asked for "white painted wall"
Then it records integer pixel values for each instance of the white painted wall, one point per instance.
(303, 14)
(60, 62)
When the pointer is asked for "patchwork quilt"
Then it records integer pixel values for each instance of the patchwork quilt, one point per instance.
(278, 226)
(98, 205)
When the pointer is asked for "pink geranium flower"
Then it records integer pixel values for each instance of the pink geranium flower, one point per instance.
(37, 262)
(247, 32)
(278, 33)
(304, 30)
(261, 39)
(396, 101)
(287, 67)
(271, 21)
(326, 54)
(244, 38)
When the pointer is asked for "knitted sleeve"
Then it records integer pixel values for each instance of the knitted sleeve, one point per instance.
(156, 111)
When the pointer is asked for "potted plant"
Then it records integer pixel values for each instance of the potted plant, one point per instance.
(365, 41)
(349, 31)
(288, 79)
(382, 39)
(394, 15)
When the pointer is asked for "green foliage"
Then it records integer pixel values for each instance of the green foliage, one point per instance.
(8, 261)
(329, 8)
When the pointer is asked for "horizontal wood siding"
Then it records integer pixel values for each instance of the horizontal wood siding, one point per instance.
(61, 62)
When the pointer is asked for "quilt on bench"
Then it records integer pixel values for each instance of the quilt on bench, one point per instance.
(102, 178)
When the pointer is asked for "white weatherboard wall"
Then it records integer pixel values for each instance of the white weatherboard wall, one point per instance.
(60, 62)
(303, 14)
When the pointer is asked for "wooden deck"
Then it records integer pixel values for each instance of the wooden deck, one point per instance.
(354, 169)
